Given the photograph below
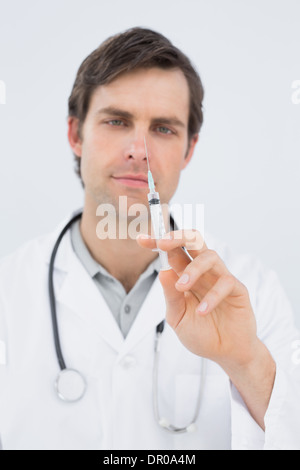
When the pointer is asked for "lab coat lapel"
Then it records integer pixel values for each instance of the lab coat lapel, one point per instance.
(82, 296)
(75, 290)
(150, 315)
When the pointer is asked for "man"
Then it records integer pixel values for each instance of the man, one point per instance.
(227, 313)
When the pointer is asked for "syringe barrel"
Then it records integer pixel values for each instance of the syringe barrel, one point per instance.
(156, 215)
(158, 225)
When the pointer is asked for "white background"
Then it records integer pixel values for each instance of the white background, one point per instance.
(246, 166)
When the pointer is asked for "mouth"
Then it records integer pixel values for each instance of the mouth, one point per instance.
(134, 181)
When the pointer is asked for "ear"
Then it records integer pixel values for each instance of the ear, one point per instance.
(73, 136)
(191, 148)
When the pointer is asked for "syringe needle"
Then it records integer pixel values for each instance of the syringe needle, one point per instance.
(147, 154)
(150, 177)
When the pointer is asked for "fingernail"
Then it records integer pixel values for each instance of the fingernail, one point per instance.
(184, 279)
(143, 236)
(202, 307)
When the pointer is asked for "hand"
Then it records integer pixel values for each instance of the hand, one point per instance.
(211, 313)
(212, 316)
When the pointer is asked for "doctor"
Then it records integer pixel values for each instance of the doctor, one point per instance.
(223, 375)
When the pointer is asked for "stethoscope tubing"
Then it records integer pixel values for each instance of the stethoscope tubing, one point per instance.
(51, 290)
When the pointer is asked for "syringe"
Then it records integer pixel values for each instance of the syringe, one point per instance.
(156, 216)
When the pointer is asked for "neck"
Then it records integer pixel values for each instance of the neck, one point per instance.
(122, 258)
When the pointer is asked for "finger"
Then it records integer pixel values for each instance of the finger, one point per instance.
(145, 241)
(220, 291)
(207, 262)
(175, 301)
(192, 240)
(178, 259)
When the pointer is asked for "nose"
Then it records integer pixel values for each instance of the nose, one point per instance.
(136, 150)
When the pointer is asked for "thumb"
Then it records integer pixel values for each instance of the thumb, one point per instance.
(175, 301)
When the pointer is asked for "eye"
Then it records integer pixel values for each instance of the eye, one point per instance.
(164, 130)
(115, 122)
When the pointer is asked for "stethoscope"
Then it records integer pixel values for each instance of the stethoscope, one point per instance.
(70, 384)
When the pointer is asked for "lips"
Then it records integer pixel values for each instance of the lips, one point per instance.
(139, 177)
(132, 180)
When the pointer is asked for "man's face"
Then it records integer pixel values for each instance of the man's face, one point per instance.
(151, 103)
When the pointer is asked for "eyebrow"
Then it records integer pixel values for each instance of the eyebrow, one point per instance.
(112, 111)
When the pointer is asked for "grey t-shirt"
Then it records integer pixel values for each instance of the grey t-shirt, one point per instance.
(123, 306)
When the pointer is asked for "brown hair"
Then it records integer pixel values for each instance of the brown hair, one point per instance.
(133, 49)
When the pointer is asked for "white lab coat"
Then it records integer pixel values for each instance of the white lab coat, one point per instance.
(117, 411)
